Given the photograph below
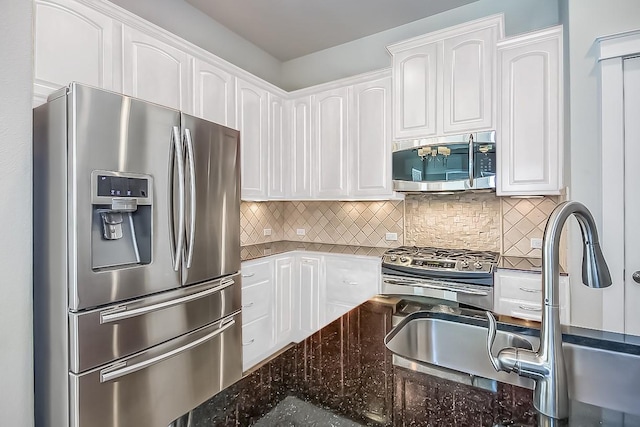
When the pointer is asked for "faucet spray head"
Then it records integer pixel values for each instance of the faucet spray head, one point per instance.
(595, 272)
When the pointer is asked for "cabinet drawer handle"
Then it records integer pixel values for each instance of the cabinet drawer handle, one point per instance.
(244, 344)
(346, 282)
(532, 291)
(307, 261)
(248, 274)
(527, 308)
(247, 305)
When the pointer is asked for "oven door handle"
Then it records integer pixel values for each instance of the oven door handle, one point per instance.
(437, 286)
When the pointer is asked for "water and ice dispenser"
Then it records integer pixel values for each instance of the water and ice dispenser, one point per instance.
(122, 224)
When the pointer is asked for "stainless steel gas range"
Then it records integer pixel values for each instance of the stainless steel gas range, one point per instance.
(465, 276)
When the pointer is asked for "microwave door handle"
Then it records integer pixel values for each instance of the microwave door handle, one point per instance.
(471, 160)
(192, 195)
(179, 160)
(121, 369)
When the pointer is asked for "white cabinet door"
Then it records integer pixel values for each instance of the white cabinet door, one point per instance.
(468, 73)
(72, 42)
(155, 71)
(529, 152)
(370, 122)
(300, 158)
(278, 171)
(310, 296)
(253, 119)
(214, 94)
(284, 300)
(414, 92)
(330, 135)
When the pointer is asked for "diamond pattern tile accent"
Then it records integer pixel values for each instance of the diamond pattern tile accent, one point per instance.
(525, 219)
(345, 223)
(255, 217)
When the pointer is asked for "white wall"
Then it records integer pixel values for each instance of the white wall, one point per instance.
(369, 53)
(588, 19)
(16, 342)
(184, 20)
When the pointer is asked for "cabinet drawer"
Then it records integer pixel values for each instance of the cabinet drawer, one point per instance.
(525, 290)
(257, 341)
(521, 309)
(256, 300)
(256, 271)
(352, 281)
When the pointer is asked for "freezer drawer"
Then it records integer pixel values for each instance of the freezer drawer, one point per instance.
(100, 336)
(156, 386)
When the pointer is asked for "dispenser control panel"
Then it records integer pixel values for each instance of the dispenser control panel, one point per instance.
(121, 188)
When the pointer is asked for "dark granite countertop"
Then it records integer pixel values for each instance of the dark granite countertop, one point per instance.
(250, 252)
(343, 375)
(528, 264)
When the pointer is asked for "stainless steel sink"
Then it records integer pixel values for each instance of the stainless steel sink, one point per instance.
(599, 377)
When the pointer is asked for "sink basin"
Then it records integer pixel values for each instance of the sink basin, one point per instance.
(599, 377)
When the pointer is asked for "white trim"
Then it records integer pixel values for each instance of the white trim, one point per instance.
(612, 50)
(467, 27)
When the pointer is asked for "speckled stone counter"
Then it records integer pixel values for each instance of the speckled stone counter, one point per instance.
(345, 371)
(250, 252)
(523, 264)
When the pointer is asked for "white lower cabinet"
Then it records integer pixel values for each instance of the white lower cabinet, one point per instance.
(350, 281)
(519, 294)
(288, 297)
(310, 296)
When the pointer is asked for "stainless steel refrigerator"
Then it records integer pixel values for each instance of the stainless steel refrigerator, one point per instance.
(137, 311)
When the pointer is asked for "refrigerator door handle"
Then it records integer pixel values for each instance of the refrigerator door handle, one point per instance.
(117, 371)
(192, 195)
(120, 313)
(177, 144)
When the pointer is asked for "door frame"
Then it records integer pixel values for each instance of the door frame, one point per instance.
(613, 49)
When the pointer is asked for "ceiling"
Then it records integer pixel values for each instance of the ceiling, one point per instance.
(288, 29)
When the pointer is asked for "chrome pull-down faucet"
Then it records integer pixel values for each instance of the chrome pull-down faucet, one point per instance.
(546, 366)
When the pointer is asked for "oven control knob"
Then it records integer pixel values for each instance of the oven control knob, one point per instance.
(393, 257)
(403, 259)
(478, 265)
(464, 264)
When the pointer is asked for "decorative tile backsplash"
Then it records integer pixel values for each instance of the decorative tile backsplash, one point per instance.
(458, 221)
(466, 220)
(346, 223)
(522, 220)
(255, 217)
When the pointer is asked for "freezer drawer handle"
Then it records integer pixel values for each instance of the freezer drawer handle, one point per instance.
(121, 313)
(110, 374)
(532, 291)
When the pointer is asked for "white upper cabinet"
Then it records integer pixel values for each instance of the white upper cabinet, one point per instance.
(72, 42)
(414, 88)
(155, 71)
(300, 158)
(370, 138)
(253, 119)
(468, 81)
(213, 94)
(330, 139)
(530, 152)
(278, 170)
(444, 82)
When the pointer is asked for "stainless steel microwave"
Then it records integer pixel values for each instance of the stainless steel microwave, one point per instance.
(448, 163)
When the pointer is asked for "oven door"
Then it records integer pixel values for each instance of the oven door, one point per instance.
(479, 296)
(452, 163)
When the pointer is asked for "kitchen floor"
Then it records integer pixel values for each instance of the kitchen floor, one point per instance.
(295, 412)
